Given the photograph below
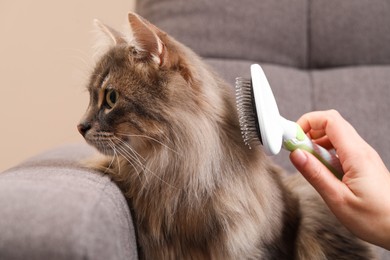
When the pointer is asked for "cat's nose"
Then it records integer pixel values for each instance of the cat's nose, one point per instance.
(83, 128)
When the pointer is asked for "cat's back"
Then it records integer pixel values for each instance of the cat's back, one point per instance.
(320, 234)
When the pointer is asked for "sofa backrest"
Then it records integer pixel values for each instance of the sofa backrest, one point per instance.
(301, 33)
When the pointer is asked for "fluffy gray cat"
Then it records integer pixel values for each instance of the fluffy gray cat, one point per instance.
(169, 131)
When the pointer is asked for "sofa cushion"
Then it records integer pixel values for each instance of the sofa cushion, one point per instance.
(52, 208)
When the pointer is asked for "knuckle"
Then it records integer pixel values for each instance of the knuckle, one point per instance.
(334, 114)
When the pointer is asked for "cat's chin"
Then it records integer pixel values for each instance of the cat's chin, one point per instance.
(102, 149)
(106, 152)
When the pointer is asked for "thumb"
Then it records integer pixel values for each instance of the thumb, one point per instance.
(326, 184)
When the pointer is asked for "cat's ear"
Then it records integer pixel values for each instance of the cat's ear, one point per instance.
(106, 38)
(113, 36)
(146, 38)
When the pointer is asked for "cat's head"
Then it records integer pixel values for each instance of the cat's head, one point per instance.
(147, 90)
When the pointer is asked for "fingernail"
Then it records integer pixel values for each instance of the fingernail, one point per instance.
(299, 158)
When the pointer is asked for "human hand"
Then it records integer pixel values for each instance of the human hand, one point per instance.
(361, 201)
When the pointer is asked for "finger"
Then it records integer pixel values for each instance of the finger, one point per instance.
(316, 134)
(324, 142)
(327, 185)
(340, 133)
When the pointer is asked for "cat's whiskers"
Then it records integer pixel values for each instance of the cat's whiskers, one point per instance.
(112, 160)
(131, 151)
(129, 156)
(117, 152)
(153, 139)
(134, 156)
(126, 150)
(135, 163)
(115, 156)
(164, 135)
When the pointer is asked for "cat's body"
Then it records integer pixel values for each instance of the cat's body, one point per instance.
(171, 133)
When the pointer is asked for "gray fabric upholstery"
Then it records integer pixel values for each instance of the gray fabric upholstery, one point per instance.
(52, 208)
(301, 34)
(316, 54)
(254, 30)
(349, 32)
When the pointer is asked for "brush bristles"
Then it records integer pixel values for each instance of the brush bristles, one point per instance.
(246, 112)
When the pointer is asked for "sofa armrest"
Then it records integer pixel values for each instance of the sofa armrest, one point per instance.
(53, 208)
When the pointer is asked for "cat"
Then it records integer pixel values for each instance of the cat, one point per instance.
(168, 127)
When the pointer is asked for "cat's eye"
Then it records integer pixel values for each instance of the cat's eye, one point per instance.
(111, 97)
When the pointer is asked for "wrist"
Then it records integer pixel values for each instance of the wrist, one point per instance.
(386, 233)
(381, 232)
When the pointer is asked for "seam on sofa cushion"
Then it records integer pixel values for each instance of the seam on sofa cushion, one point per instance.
(308, 33)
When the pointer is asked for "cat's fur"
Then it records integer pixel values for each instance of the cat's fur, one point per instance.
(174, 146)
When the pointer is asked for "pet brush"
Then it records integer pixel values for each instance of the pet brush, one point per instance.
(261, 122)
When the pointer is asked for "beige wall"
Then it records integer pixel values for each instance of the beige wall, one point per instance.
(45, 57)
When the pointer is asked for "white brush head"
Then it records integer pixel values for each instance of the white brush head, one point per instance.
(267, 112)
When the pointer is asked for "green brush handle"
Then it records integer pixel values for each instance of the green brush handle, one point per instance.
(328, 158)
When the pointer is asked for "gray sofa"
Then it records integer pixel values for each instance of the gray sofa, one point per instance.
(317, 55)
